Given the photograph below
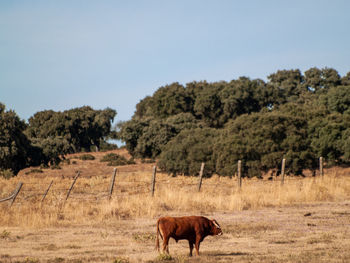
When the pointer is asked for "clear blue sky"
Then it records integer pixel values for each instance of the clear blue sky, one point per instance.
(64, 54)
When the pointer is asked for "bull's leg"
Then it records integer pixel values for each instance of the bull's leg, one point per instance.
(197, 245)
(191, 247)
(166, 244)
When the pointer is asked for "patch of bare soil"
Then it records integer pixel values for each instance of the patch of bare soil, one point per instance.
(87, 168)
(303, 233)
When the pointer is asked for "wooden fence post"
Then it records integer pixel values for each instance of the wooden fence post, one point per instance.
(321, 166)
(71, 187)
(282, 170)
(200, 177)
(239, 174)
(111, 186)
(13, 193)
(19, 186)
(153, 183)
(47, 190)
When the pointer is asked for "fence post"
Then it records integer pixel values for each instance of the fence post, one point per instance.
(282, 170)
(321, 166)
(12, 195)
(19, 186)
(239, 174)
(200, 177)
(111, 186)
(71, 187)
(153, 183)
(47, 190)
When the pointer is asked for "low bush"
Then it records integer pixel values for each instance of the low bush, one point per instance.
(121, 260)
(7, 173)
(114, 159)
(106, 146)
(55, 167)
(148, 161)
(87, 157)
(66, 161)
(164, 257)
(34, 170)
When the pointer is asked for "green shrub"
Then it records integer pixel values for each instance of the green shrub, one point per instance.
(7, 173)
(106, 146)
(87, 157)
(56, 260)
(111, 157)
(44, 166)
(31, 260)
(5, 234)
(148, 161)
(114, 159)
(66, 161)
(55, 167)
(131, 161)
(121, 260)
(164, 257)
(143, 237)
(34, 170)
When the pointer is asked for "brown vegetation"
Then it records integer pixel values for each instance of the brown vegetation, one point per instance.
(307, 218)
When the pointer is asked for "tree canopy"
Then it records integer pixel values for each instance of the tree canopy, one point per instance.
(49, 135)
(79, 127)
(293, 115)
(14, 145)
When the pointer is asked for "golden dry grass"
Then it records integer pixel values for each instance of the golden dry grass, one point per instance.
(305, 220)
(264, 235)
(88, 202)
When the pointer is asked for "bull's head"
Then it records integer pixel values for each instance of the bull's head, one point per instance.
(215, 228)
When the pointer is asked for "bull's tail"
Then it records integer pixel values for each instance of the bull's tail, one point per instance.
(157, 236)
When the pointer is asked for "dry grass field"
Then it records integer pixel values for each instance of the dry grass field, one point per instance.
(305, 220)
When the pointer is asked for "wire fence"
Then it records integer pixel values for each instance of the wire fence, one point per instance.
(93, 191)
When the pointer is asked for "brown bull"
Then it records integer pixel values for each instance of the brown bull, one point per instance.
(192, 228)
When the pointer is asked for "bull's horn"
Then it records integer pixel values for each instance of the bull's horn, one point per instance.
(216, 223)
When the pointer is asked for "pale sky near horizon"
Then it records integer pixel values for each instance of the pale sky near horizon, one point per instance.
(64, 54)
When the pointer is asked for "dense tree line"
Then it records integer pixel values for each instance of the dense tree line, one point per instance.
(292, 115)
(49, 135)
